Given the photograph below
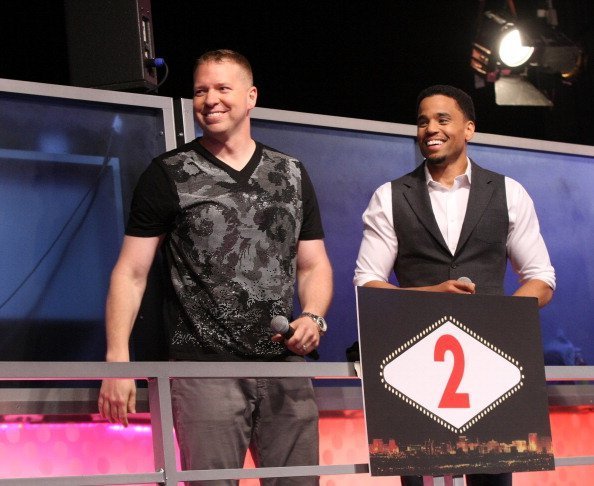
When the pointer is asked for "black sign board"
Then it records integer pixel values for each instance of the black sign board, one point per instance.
(453, 384)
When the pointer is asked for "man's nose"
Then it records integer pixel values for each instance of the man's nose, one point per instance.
(432, 126)
(211, 97)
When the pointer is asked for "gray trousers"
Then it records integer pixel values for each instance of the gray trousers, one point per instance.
(216, 420)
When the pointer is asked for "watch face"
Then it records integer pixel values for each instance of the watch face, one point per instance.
(320, 321)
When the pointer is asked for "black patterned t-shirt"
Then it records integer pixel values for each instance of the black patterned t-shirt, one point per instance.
(230, 248)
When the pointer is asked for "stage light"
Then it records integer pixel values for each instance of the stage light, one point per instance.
(511, 50)
(519, 54)
(498, 46)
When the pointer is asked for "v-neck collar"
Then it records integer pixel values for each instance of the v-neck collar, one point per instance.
(239, 176)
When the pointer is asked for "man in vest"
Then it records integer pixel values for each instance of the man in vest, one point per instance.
(450, 218)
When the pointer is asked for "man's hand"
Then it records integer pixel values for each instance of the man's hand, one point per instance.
(117, 398)
(306, 336)
(452, 287)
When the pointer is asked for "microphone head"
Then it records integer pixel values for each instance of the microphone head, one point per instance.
(465, 280)
(279, 324)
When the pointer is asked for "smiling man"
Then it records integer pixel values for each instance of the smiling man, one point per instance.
(239, 225)
(450, 218)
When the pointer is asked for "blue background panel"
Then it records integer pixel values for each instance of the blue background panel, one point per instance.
(560, 186)
(67, 170)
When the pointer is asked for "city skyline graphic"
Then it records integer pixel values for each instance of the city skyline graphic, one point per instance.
(461, 456)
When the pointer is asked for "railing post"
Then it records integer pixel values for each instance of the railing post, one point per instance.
(162, 426)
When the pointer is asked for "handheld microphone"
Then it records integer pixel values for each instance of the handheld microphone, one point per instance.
(466, 280)
(280, 325)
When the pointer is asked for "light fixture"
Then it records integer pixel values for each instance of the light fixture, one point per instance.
(498, 47)
(520, 55)
(511, 50)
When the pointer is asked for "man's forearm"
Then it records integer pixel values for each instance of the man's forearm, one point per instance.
(536, 288)
(315, 288)
(126, 288)
(122, 306)
(378, 284)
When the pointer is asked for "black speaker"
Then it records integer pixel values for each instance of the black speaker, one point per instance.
(110, 44)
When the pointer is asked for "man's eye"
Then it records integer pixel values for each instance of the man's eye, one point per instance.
(198, 92)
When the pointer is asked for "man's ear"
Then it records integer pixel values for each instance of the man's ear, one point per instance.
(252, 97)
(469, 131)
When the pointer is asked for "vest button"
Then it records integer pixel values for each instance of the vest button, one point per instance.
(453, 265)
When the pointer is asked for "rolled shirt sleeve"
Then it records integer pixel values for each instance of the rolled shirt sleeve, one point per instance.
(526, 248)
(379, 246)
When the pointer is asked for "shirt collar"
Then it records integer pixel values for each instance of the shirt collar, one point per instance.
(463, 178)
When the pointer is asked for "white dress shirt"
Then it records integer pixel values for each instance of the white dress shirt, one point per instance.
(525, 246)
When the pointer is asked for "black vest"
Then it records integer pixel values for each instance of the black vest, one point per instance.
(423, 256)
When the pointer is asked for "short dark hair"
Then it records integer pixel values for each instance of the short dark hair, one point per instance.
(222, 55)
(463, 99)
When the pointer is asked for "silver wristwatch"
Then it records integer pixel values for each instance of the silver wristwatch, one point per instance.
(320, 321)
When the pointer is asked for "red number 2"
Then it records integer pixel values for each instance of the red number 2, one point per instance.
(451, 397)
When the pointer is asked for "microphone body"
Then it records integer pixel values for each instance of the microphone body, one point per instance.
(467, 280)
(280, 325)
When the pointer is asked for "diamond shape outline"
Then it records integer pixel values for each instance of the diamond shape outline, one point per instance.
(422, 334)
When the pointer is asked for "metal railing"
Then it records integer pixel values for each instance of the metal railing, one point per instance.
(158, 375)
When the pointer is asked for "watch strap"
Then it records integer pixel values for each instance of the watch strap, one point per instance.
(319, 320)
